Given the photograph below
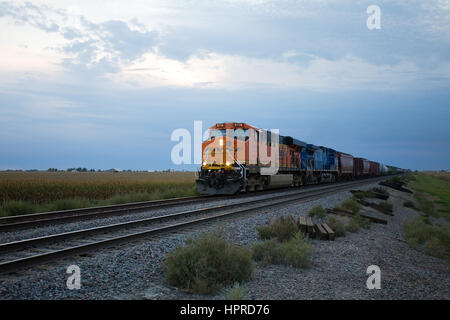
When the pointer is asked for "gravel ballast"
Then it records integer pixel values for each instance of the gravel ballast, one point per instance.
(338, 271)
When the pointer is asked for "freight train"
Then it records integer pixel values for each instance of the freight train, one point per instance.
(238, 157)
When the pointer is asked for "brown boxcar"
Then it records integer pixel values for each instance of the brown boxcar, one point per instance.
(361, 167)
(374, 169)
(345, 165)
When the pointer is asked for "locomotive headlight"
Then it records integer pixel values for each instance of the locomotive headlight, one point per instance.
(228, 164)
(204, 163)
(221, 142)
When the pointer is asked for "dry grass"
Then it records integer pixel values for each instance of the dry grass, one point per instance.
(98, 176)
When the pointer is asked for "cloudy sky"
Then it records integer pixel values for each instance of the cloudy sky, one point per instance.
(104, 84)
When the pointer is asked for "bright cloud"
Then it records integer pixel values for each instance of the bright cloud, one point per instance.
(214, 70)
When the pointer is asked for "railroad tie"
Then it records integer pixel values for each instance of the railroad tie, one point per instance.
(310, 228)
(329, 231)
(302, 224)
(321, 232)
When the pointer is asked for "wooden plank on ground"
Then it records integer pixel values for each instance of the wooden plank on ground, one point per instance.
(350, 214)
(375, 206)
(310, 227)
(302, 224)
(381, 196)
(329, 231)
(321, 232)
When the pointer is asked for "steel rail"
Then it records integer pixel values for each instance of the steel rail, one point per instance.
(14, 264)
(14, 223)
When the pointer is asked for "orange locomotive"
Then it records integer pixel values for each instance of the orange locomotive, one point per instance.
(239, 157)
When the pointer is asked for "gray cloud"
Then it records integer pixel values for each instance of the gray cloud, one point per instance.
(28, 14)
(95, 48)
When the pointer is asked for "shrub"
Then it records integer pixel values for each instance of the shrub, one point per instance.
(13, 208)
(350, 205)
(236, 292)
(380, 190)
(337, 226)
(436, 240)
(296, 252)
(357, 222)
(438, 245)
(417, 231)
(359, 195)
(386, 206)
(317, 211)
(268, 252)
(206, 264)
(282, 228)
(409, 204)
(399, 180)
(353, 226)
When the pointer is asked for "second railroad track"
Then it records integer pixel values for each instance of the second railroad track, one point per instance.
(24, 253)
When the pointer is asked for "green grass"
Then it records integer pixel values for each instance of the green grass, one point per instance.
(236, 292)
(436, 240)
(409, 204)
(207, 264)
(14, 208)
(437, 185)
(317, 211)
(296, 252)
(350, 205)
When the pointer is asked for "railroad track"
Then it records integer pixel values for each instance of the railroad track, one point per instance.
(24, 253)
(19, 222)
(65, 216)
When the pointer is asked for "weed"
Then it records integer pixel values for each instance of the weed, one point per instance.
(350, 205)
(207, 263)
(317, 211)
(296, 252)
(409, 204)
(236, 292)
(282, 228)
(337, 226)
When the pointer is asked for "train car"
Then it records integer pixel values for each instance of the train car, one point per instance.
(374, 168)
(358, 169)
(345, 166)
(383, 170)
(318, 164)
(238, 157)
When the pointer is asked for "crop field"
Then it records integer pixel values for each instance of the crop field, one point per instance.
(29, 192)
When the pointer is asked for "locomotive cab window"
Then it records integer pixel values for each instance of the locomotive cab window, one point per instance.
(217, 133)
